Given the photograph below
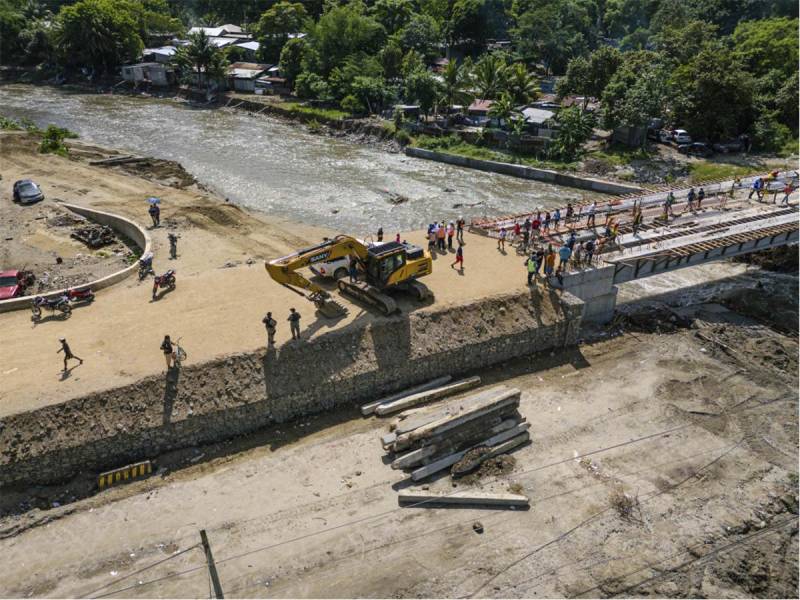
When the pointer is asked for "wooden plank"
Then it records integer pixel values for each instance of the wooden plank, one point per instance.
(427, 396)
(451, 408)
(369, 408)
(502, 442)
(463, 498)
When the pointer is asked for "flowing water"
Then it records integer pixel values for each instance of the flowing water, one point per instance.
(279, 167)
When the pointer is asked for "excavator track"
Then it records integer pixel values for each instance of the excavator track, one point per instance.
(419, 290)
(368, 294)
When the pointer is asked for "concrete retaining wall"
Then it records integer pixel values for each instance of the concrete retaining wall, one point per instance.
(242, 393)
(122, 226)
(525, 172)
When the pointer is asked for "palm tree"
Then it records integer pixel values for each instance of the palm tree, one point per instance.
(455, 83)
(521, 85)
(488, 76)
(502, 108)
(201, 56)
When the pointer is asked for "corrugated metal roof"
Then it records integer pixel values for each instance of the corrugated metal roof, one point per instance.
(537, 115)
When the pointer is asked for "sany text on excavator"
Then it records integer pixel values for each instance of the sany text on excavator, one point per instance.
(390, 266)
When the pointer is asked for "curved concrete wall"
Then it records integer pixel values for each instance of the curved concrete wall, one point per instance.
(122, 226)
(525, 172)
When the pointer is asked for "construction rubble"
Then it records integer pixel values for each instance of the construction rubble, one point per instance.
(457, 437)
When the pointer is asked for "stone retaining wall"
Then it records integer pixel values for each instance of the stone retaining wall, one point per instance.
(525, 172)
(125, 227)
(242, 393)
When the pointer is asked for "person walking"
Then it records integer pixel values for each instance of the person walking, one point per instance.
(547, 218)
(67, 353)
(380, 234)
(560, 275)
(451, 231)
(577, 255)
(668, 204)
(589, 247)
(459, 258)
(173, 245)
(271, 325)
(556, 218)
(787, 191)
(517, 231)
(166, 348)
(535, 224)
(294, 323)
(460, 229)
(637, 219)
(701, 195)
(539, 259)
(755, 188)
(501, 240)
(570, 213)
(690, 199)
(590, 215)
(532, 267)
(155, 214)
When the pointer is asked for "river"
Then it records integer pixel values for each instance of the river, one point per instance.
(280, 168)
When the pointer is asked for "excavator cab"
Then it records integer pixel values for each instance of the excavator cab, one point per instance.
(383, 261)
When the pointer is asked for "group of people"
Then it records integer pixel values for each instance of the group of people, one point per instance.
(441, 235)
(551, 262)
(761, 185)
(271, 326)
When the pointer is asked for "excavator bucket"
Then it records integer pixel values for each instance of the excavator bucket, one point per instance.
(331, 309)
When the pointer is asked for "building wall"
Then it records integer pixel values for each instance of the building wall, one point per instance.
(242, 393)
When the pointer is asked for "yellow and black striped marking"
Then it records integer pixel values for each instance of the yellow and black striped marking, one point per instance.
(124, 474)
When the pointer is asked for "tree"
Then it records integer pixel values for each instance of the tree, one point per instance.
(552, 31)
(679, 42)
(12, 22)
(202, 57)
(342, 31)
(291, 61)
(455, 83)
(489, 76)
(372, 91)
(393, 14)
(412, 62)
(575, 127)
(766, 45)
(502, 108)
(421, 34)
(312, 86)
(422, 88)
(713, 94)
(101, 34)
(589, 77)
(392, 60)
(636, 93)
(472, 22)
(276, 24)
(521, 85)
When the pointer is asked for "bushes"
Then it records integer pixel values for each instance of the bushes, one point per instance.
(353, 105)
(402, 137)
(53, 140)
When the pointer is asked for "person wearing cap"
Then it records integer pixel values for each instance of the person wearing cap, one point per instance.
(67, 353)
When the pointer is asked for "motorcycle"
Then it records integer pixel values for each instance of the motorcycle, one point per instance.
(146, 266)
(167, 280)
(84, 295)
(61, 304)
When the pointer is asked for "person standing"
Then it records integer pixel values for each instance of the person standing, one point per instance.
(271, 326)
(517, 231)
(549, 263)
(501, 240)
(67, 353)
(532, 267)
(353, 269)
(460, 229)
(787, 191)
(637, 219)
(294, 323)
(535, 224)
(570, 213)
(397, 237)
(690, 199)
(589, 247)
(451, 231)
(380, 234)
(546, 225)
(154, 214)
(166, 348)
(539, 259)
(556, 218)
(441, 232)
(701, 195)
(173, 245)
(459, 258)
(590, 215)
(564, 254)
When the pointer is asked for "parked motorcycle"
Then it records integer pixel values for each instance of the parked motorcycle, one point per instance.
(146, 266)
(84, 295)
(167, 280)
(60, 303)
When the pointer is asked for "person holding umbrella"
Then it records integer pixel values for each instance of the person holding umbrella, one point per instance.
(154, 210)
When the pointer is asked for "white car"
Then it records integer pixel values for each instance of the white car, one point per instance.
(682, 136)
(339, 267)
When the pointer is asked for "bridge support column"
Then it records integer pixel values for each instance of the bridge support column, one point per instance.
(596, 288)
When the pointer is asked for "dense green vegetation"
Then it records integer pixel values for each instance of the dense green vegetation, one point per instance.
(718, 68)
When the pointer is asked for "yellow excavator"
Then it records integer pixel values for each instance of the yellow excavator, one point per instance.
(384, 267)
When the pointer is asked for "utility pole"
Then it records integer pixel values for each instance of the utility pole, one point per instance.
(212, 568)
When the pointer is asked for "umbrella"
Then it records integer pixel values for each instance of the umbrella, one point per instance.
(154, 200)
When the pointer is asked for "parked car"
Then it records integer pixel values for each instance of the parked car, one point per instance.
(665, 136)
(696, 149)
(681, 136)
(726, 147)
(13, 283)
(339, 267)
(27, 192)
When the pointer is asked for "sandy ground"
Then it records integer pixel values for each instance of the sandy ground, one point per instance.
(222, 290)
(698, 425)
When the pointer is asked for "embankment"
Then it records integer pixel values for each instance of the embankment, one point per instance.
(242, 393)
(525, 172)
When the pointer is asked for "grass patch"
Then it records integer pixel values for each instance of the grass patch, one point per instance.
(322, 114)
(455, 145)
(620, 156)
(706, 171)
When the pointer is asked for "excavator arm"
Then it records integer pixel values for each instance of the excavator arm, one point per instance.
(285, 270)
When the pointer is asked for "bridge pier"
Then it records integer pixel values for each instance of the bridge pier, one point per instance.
(595, 286)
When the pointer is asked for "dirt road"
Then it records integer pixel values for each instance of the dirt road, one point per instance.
(704, 439)
(222, 290)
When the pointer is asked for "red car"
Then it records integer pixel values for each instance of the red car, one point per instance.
(13, 283)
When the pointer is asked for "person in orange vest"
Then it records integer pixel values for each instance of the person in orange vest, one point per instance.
(440, 235)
